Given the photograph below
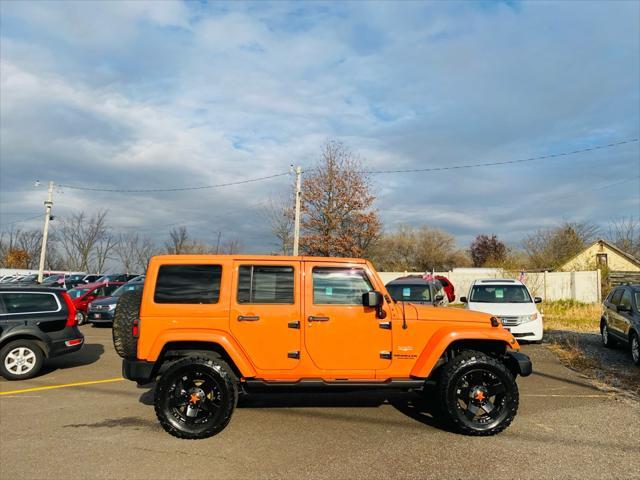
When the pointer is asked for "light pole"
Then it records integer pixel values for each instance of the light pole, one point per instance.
(296, 225)
(47, 217)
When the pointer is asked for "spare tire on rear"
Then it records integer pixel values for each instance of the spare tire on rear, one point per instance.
(127, 311)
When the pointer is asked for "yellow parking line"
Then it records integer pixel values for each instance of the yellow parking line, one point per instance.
(52, 387)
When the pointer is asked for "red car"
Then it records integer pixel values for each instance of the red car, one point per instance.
(83, 295)
(448, 287)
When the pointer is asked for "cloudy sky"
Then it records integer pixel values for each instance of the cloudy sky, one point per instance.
(139, 95)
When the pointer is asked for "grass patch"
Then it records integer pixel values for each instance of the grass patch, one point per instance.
(572, 353)
(567, 348)
(571, 315)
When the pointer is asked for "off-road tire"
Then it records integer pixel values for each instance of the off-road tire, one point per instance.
(634, 344)
(448, 391)
(605, 335)
(36, 355)
(227, 388)
(127, 310)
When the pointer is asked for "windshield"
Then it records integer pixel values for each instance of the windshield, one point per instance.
(77, 292)
(51, 279)
(500, 294)
(127, 287)
(410, 293)
(75, 278)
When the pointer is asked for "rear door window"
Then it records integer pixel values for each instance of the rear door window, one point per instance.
(30, 302)
(265, 284)
(195, 284)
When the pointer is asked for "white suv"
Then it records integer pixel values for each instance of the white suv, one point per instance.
(511, 302)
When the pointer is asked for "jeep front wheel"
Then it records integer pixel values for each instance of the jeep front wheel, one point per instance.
(478, 394)
(195, 397)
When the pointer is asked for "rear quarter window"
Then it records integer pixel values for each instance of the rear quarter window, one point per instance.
(30, 302)
(188, 284)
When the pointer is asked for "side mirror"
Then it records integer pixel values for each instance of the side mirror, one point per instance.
(374, 299)
(438, 298)
(623, 308)
(537, 300)
(463, 299)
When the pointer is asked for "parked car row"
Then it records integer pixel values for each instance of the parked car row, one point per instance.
(39, 322)
(66, 281)
(507, 299)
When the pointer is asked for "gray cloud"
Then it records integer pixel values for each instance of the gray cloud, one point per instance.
(161, 94)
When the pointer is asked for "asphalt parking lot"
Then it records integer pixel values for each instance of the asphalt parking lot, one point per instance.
(566, 428)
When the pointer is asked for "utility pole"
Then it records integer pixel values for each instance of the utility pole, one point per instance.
(296, 228)
(47, 216)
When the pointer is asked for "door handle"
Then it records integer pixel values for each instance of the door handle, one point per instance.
(318, 319)
(248, 318)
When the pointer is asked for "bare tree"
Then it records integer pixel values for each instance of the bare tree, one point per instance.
(85, 241)
(417, 249)
(126, 250)
(27, 242)
(337, 218)
(144, 252)
(625, 234)
(279, 213)
(550, 248)
(178, 241)
(234, 245)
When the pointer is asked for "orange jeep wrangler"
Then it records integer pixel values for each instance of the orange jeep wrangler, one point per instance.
(210, 326)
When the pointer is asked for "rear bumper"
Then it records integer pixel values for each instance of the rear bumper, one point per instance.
(65, 341)
(139, 371)
(519, 363)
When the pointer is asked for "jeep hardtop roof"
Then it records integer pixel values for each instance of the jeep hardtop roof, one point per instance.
(258, 257)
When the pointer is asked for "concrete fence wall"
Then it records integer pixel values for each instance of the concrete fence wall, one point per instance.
(581, 286)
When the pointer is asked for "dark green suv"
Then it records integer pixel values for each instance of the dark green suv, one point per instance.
(620, 322)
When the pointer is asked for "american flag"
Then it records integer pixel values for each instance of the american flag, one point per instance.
(428, 277)
(522, 276)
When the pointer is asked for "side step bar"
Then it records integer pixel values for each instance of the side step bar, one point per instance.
(312, 384)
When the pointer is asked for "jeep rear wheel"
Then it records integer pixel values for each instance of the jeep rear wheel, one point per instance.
(195, 397)
(478, 394)
(127, 311)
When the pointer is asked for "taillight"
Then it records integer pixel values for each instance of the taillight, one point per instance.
(135, 328)
(71, 310)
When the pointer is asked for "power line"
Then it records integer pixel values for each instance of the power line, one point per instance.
(174, 189)
(21, 220)
(507, 162)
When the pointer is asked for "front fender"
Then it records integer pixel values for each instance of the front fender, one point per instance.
(209, 336)
(445, 336)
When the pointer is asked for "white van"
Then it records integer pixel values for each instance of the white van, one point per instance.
(511, 302)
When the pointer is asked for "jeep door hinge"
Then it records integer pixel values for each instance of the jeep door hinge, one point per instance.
(295, 324)
(385, 355)
(295, 354)
(385, 325)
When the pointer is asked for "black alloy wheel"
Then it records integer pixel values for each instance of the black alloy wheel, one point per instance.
(478, 394)
(195, 397)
